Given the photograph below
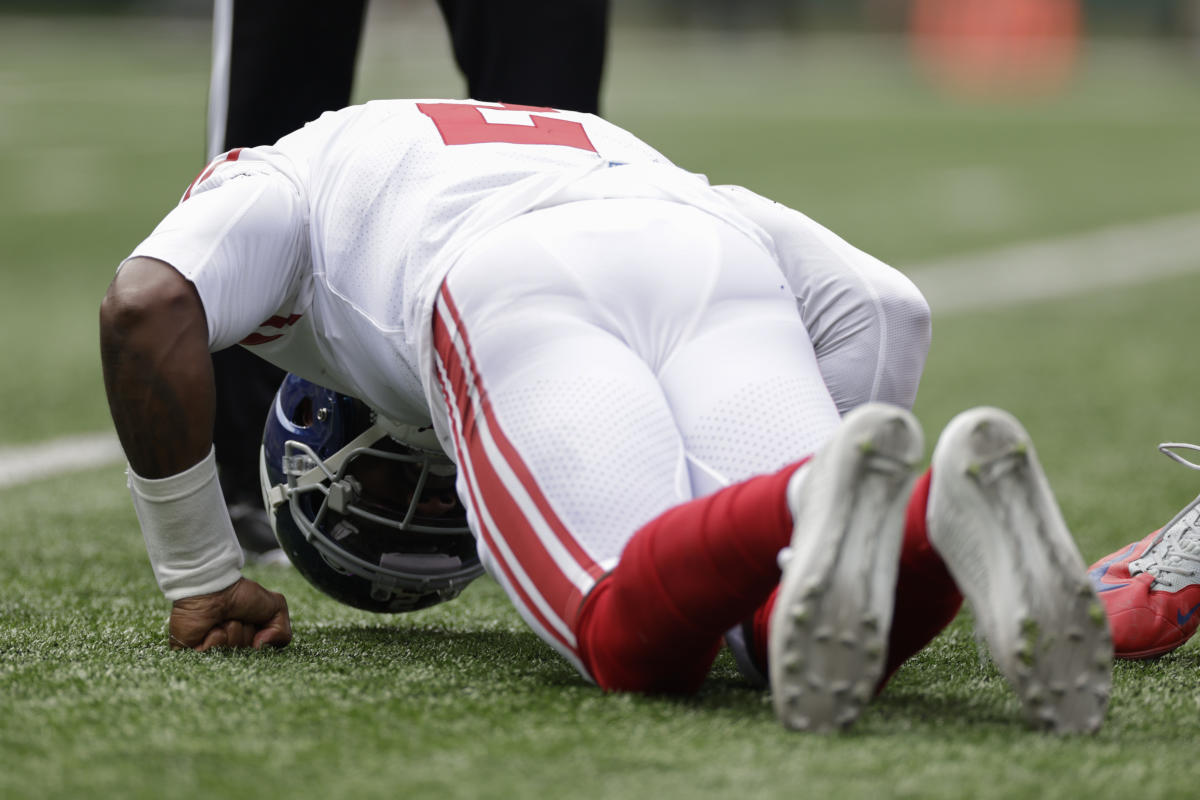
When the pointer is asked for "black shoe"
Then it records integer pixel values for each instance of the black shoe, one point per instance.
(254, 534)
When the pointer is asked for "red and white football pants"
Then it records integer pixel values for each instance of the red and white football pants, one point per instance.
(603, 363)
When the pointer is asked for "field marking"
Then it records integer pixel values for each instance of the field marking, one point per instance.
(21, 464)
(1121, 255)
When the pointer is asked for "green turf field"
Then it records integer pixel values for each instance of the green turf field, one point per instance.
(101, 128)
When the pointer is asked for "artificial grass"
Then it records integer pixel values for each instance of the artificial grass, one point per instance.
(103, 129)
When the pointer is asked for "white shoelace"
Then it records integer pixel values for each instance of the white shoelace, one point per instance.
(1177, 553)
(1168, 449)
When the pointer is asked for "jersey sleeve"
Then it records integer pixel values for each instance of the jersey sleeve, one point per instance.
(239, 236)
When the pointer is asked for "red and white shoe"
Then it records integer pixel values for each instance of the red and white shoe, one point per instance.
(1151, 588)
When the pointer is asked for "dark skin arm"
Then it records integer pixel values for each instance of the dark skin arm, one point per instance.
(159, 381)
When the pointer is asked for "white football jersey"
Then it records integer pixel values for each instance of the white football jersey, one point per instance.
(324, 252)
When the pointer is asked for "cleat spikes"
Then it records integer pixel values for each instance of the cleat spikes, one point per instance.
(994, 521)
(838, 587)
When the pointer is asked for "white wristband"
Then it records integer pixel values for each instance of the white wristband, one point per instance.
(193, 549)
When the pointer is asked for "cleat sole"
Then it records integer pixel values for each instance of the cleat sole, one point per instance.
(849, 514)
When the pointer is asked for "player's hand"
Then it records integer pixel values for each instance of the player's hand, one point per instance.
(242, 615)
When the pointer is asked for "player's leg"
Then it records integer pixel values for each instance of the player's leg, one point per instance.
(567, 444)
(870, 328)
(533, 52)
(749, 397)
(564, 441)
(926, 600)
(768, 363)
(735, 394)
(276, 65)
(766, 402)
(983, 519)
(703, 565)
(869, 324)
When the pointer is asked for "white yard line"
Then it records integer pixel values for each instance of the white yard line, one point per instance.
(1023, 273)
(27, 463)
(1117, 256)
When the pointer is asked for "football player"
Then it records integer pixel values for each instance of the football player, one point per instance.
(647, 446)
(279, 63)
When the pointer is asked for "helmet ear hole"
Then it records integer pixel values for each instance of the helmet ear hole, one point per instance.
(302, 415)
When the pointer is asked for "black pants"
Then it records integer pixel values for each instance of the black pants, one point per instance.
(291, 60)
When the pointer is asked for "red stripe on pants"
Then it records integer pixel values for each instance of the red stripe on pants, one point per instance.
(467, 399)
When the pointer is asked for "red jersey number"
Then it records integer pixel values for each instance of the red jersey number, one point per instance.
(460, 123)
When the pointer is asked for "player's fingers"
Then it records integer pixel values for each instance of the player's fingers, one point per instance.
(181, 637)
(193, 620)
(272, 637)
(175, 643)
(238, 633)
(278, 630)
(215, 638)
(253, 603)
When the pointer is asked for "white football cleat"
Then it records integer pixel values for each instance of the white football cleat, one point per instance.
(994, 521)
(829, 629)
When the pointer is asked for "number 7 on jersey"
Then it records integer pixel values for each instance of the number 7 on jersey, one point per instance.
(462, 123)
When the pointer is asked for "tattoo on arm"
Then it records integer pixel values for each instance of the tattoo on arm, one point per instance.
(157, 371)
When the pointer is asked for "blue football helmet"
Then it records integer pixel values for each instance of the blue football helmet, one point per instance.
(365, 510)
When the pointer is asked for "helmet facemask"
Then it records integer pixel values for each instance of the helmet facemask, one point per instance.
(381, 515)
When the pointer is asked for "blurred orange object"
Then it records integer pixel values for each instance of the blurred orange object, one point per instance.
(997, 47)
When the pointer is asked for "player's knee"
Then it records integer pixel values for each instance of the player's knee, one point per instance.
(907, 314)
(904, 343)
(875, 351)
